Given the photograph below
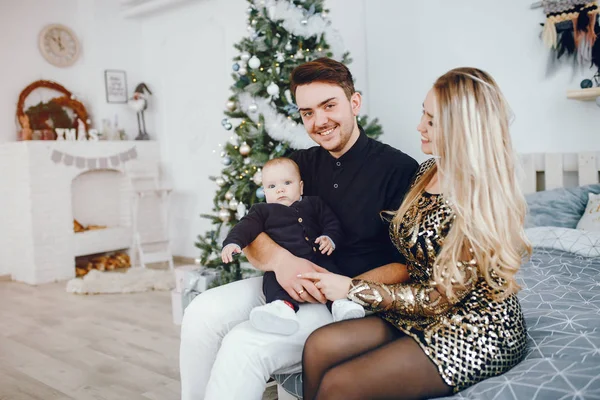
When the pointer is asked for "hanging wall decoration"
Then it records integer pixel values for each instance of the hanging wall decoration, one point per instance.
(94, 162)
(571, 29)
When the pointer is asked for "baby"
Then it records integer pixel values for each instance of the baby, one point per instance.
(305, 226)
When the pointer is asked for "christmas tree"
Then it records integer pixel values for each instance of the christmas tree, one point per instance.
(261, 114)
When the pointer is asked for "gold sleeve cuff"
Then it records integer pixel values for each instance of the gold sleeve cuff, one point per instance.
(410, 299)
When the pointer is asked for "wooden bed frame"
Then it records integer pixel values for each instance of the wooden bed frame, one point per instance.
(546, 171)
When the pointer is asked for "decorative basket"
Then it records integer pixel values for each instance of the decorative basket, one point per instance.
(35, 119)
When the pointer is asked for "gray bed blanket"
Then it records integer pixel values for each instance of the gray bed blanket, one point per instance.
(561, 303)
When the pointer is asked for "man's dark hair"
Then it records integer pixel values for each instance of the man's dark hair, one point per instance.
(322, 70)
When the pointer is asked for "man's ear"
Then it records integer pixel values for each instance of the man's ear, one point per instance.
(301, 188)
(356, 103)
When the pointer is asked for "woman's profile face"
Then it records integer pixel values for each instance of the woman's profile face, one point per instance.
(427, 122)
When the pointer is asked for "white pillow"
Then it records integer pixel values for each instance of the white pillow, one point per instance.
(583, 243)
(590, 220)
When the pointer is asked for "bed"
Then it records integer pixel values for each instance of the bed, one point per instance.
(561, 289)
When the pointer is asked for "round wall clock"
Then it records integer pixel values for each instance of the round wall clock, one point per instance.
(59, 45)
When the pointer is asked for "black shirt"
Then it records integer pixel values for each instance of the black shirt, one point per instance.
(294, 228)
(367, 179)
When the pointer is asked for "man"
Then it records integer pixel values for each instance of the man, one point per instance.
(222, 356)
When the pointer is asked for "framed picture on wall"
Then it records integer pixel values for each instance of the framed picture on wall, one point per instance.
(116, 86)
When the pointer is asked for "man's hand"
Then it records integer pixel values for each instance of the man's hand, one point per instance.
(301, 290)
(267, 255)
(325, 245)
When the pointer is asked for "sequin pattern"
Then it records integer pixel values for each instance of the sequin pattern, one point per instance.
(469, 338)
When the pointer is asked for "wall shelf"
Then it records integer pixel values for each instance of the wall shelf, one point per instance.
(584, 94)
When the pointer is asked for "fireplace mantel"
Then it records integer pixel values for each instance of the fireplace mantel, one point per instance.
(36, 210)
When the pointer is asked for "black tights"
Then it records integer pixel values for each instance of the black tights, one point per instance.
(364, 359)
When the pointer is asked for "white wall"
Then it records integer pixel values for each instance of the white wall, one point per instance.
(399, 48)
(184, 54)
(108, 42)
(410, 44)
(187, 57)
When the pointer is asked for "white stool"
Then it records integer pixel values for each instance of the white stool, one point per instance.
(145, 184)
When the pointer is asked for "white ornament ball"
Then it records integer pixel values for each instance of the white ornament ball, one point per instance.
(242, 71)
(245, 56)
(220, 181)
(254, 62)
(241, 211)
(230, 105)
(245, 149)
(253, 108)
(273, 89)
(233, 204)
(288, 46)
(299, 54)
(257, 177)
(224, 215)
(228, 196)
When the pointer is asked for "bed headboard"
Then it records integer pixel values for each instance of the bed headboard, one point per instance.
(545, 171)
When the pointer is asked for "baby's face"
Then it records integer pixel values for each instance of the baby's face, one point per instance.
(281, 184)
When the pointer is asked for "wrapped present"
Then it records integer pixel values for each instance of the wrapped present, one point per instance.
(187, 296)
(196, 282)
(199, 279)
(181, 274)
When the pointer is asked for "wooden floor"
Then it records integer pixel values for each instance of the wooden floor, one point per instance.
(57, 345)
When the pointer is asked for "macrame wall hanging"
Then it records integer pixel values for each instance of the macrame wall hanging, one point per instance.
(571, 29)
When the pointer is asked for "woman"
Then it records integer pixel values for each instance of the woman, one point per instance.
(457, 320)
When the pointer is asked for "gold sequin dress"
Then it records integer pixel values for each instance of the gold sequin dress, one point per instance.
(470, 338)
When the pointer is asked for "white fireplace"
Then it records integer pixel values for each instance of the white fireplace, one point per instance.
(45, 185)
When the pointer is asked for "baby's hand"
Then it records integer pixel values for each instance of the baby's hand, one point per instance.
(228, 252)
(325, 245)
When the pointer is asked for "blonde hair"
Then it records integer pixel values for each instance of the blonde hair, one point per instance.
(477, 171)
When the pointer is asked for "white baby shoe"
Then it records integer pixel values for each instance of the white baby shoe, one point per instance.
(346, 309)
(275, 317)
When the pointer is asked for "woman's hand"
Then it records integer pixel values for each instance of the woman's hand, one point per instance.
(333, 286)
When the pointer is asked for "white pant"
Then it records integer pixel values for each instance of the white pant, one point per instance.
(223, 357)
